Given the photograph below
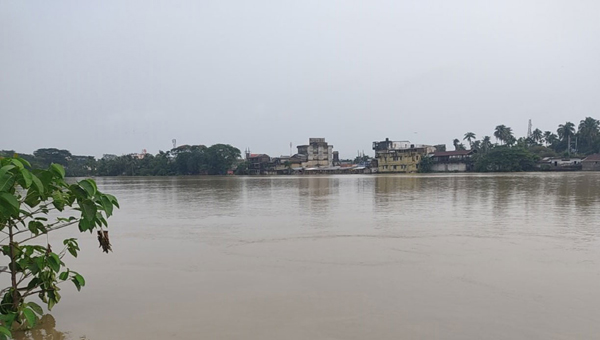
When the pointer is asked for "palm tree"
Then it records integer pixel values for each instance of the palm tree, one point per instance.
(508, 136)
(537, 135)
(486, 144)
(566, 130)
(551, 139)
(469, 137)
(589, 129)
(547, 135)
(458, 145)
(499, 133)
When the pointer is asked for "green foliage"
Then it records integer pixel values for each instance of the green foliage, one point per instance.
(183, 160)
(425, 164)
(27, 197)
(505, 159)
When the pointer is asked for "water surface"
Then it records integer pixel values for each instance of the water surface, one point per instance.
(342, 257)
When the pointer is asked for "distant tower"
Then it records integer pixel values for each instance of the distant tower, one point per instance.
(529, 129)
(247, 153)
(290, 149)
(174, 141)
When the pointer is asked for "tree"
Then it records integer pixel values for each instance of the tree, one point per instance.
(504, 134)
(505, 159)
(52, 155)
(500, 133)
(27, 197)
(486, 144)
(547, 135)
(458, 145)
(537, 135)
(221, 157)
(469, 137)
(566, 130)
(588, 132)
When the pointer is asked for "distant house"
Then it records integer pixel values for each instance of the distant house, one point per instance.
(452, 161)
(560, 164)
(258, 164)
(591, 163)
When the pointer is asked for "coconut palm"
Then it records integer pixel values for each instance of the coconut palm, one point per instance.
(486, 144)
(537, 135)
(551, 139)
(458, 145)
(589, 129)
(508, 136)
(547, 135)
(566, 130)
(469, 137)
(499, 133)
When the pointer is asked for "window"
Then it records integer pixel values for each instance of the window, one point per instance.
(395, 167)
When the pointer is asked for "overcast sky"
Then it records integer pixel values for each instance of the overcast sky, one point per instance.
(99, 77)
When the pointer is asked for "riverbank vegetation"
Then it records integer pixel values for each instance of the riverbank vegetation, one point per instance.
(508, 153)
(183, 160)
(27, 198)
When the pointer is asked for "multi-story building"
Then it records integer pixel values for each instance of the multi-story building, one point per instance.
(318, 153)
(399, 156)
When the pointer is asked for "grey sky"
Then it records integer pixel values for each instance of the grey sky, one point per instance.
(100, 77)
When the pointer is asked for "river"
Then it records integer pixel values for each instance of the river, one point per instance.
(465, 256)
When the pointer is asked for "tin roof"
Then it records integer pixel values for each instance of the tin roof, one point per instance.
(595, 157)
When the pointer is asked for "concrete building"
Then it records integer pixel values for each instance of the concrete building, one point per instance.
(317, 152)
(399, 156)
(258, 164)
(560, 164)
(452, 161)
(591, 163)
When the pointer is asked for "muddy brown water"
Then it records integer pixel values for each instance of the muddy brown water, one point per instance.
(512, 256)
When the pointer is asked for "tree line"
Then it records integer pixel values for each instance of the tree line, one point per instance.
(510, 153)
(217, 159)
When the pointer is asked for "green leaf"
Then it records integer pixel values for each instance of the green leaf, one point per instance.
(80, 279)
(25, 162)
(58, 170)
(17, 163)
(27, 177)
(88, 210)
(10, 199)
(89, 186)
(37, 184)
(30, 316)
(64, 275)
(54, 262)
(107, 205)
(58, 201)
(6, 182)
(33, 198)
(113, 199)
(5, 332)
(36, 308)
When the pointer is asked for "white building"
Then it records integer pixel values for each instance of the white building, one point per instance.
(318, 153)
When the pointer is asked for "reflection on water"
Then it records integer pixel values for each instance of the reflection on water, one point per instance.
(463, 256)
(44, 330)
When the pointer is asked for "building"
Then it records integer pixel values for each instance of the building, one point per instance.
(452, 161)
(317, 152)
(399, 156)
(591, 163)
(258, 163)
(560, 164)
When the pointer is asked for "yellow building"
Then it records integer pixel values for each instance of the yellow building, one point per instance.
(399, 156)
